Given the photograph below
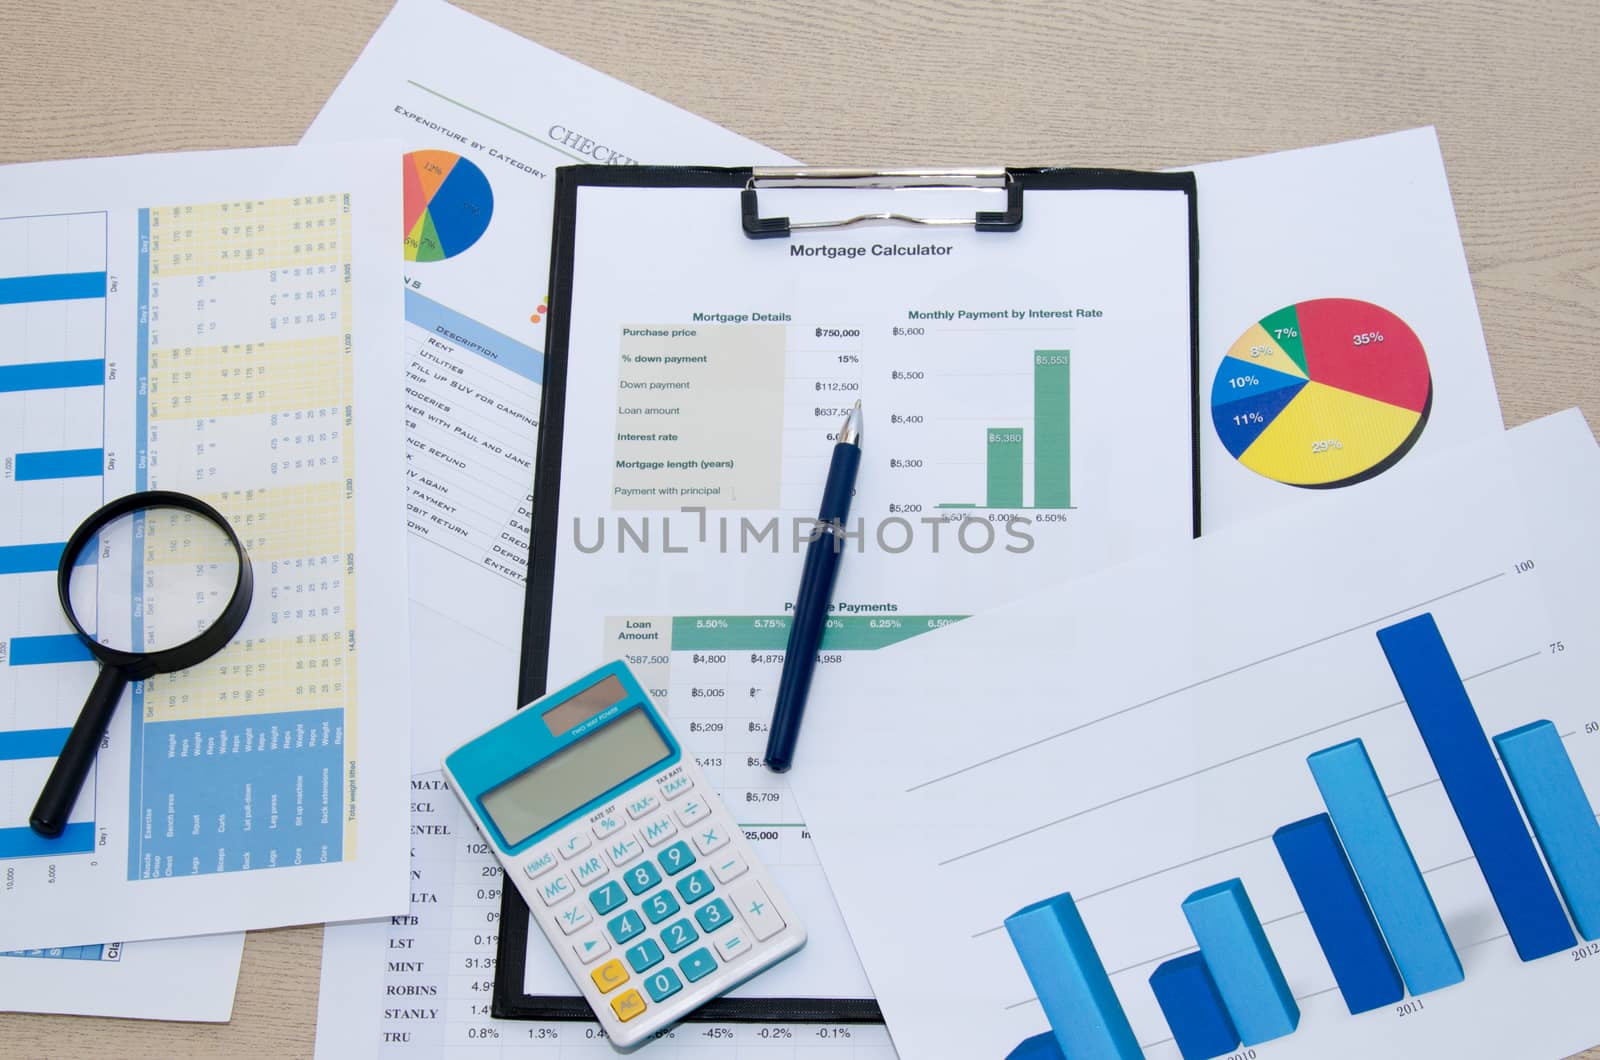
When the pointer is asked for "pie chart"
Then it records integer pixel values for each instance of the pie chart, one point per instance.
(448, 203)
(1323, 393)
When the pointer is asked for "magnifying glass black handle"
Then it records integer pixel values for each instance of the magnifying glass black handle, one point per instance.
(60, 792)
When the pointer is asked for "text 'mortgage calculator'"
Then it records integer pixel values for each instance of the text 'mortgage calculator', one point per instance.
(630, 863)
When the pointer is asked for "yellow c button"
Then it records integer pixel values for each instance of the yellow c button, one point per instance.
(609, 976)
(627, 1005)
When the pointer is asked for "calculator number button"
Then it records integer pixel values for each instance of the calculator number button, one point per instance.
(698, 964)
(695, 886)
(622, 851)
(678, 934)
(609, 976)
(625, 926)
(627, 1005)
(572, 918)
(591, 948)
(713, 915)
(642, 877)
(710, 837)
(671, 789)
(729, 867)
(645, 955)
(558, 889)
(659, 830)
(606, 825)
(663, 984)
(607, 898)
(539, 864)
(590, 869)
(757, 909)
(573, 845)
(643, 806)
(676, 858)
(691, 811)
(659, 906)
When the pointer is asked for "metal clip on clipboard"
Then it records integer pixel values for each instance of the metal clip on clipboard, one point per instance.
(758, 227)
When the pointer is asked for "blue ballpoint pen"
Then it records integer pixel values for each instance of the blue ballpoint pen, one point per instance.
(816, 589)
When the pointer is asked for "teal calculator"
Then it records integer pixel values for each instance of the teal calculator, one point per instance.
(628, 860)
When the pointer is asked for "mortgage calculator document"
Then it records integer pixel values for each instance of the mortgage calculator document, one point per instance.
(1027, 415)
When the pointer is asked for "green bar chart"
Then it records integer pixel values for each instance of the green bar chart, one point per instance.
(1008, 454)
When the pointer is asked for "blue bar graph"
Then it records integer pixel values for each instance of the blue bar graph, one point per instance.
(42, 651)
(58, 287)
(59, 463)
(1488, 814)
(1189, 999)
(1071, 982)
(1242, 963)
(1338, 912)
(1383, 862)
(1039, 1047)
(31, 559)
(1562, 817)
(51, 375)
(24, 842)
(31, 743)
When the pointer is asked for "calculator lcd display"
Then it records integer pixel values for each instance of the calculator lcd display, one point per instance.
(583, 705)
(579, 772)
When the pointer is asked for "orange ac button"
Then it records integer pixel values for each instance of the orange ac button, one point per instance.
(627, 1005)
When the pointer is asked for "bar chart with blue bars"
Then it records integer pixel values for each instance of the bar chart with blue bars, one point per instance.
(53, 319)
(1361, 893)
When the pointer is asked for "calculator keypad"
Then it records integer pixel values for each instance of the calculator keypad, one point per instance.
(653, 895)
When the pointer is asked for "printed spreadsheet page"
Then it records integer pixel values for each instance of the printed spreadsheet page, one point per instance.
(221, 324)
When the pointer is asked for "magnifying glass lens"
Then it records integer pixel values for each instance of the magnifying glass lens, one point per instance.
(153, 579)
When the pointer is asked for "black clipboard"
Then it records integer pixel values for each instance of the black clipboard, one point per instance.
(510, 1001)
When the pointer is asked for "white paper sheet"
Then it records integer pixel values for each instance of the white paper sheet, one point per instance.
(1369, 220)
(158, 979)
(442, 80)
(1135, 736)
(230, 335)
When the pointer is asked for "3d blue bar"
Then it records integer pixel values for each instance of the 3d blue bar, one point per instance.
(1188, 998)
(51, 375)
(54, 288)
(1477, 789)
(1338, 912)
(41, 651)
(59, 463)
(1039, 1047)
(1383, 863)
(1070, 981)
(1241, 962)
(24, 842)
(31, 743)
(1563, 819)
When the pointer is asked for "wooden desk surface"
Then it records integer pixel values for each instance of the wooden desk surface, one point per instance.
(1513, 88)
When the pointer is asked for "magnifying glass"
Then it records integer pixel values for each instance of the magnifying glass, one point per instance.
(153, 582)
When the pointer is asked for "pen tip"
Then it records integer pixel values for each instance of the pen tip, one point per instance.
(850, 433)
